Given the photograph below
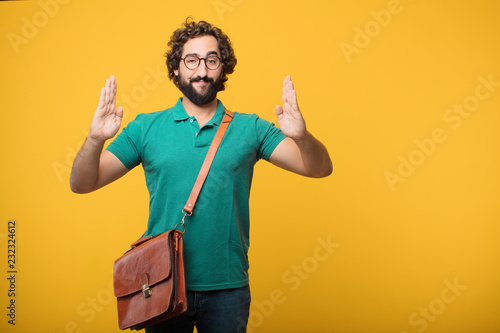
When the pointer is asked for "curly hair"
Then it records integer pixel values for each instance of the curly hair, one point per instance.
(191, 30)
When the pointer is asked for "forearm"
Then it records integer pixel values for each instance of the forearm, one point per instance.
(85, 169)
(315, 157)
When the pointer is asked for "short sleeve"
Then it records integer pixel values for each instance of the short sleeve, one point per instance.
(126, 146)
(269, 136)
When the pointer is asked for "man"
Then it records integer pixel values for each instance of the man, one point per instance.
(172, 144)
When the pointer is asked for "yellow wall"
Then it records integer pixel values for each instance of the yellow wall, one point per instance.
(403, 237)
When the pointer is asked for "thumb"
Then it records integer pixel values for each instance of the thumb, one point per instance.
(119, 112)
(278, 109)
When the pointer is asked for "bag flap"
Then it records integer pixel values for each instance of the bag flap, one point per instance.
(149, 263)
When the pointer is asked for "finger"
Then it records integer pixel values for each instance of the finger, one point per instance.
(115, 87)
(112, 92)
(292, 95)
(102, 96)
(286, 90)
(289, 84)
(285, 84)
(113, 84)
(112, 104)
(288, 87)
(108, 88)
(119, 112)
(293, 100)
(287, 96)
(278, 109)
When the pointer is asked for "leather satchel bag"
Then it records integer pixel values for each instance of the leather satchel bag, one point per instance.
(149, 279)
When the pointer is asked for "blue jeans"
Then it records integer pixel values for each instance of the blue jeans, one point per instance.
(218, 311)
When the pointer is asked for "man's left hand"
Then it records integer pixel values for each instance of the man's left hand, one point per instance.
(290, 118)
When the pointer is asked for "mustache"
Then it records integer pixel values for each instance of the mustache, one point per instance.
(199, 78)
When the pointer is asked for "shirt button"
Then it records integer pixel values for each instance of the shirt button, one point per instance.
(191, 120)
(196, 134)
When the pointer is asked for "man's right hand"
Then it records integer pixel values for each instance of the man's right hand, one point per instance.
(94, 168)
(107, 118)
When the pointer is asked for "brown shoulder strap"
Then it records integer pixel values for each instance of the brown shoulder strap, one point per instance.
(188, 208)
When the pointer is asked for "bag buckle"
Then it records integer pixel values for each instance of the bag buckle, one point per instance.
(146, 291)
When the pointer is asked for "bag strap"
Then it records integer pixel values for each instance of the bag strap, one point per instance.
(188, 208)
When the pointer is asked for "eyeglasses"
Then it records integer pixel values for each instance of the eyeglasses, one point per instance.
(192, 62)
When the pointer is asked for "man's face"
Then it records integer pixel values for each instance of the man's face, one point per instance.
(200, 85)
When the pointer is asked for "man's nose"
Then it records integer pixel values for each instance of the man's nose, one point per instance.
(202, 69)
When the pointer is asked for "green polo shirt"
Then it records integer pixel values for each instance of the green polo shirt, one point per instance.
(171, 148)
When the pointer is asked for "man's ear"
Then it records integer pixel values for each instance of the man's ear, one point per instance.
(176, 72)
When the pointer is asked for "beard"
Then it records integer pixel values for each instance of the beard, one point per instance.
(200, 99)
